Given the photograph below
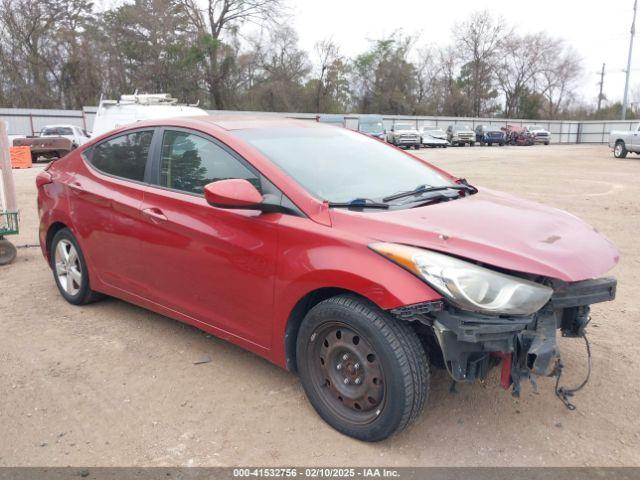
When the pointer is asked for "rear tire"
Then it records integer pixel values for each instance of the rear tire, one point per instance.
(364, 372)
(70, 269)
(620, 151)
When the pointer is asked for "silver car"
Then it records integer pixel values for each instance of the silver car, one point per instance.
(434, 137)
(539, 134)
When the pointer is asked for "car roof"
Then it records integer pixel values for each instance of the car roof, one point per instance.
(230, 122)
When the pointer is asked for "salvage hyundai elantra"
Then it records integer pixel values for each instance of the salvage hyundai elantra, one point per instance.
(329, 253)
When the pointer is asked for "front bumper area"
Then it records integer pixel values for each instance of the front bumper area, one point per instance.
(473, 343)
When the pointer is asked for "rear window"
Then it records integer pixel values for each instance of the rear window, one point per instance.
(57, 131)
(124, 156)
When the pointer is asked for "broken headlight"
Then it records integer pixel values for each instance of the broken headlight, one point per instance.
(469, 286)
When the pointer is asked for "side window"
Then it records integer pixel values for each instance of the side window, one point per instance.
(189, 162)
(124, 156)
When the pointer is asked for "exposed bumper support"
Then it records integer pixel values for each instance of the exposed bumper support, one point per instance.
(472, 343)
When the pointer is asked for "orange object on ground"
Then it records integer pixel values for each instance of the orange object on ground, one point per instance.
(20, 157)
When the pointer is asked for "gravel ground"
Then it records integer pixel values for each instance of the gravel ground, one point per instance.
(111, 384)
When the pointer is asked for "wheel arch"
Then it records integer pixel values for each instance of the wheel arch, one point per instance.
(300, 310)
(54, 228)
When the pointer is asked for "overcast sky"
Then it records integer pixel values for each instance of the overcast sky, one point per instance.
(598, 30)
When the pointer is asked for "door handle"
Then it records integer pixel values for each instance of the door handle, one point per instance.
(76, 187)
(155, 214)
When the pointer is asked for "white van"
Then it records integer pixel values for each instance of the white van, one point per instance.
(136, 108)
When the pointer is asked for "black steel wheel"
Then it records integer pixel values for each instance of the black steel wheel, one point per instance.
(365, 373)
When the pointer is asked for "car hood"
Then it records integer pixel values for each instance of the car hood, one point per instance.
(412, 131)
(496, 229)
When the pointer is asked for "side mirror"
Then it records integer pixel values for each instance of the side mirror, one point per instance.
(232, 193)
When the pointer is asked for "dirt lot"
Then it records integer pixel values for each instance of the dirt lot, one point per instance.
(111, 384)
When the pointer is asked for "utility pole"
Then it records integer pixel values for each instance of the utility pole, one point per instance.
(626, 83)
(601, 85)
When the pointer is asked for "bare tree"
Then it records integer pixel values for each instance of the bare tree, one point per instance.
(327, 53)
(426, 81)
(225, 16)
(558, 77)
(38, 39)
(521, 58)
(477, 40)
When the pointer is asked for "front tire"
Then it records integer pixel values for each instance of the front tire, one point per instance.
(365, 373)
(70, 269)
(620, 151)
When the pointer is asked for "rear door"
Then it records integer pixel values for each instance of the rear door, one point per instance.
(215, 265)
(105, 206)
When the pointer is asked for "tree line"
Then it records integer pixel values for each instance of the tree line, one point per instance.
(243, 55)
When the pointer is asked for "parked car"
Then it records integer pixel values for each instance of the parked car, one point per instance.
(461, 135)
(539, 134)
(335, 120)
(433, 137)
(404, 135)
(328, 253)
(518, 136)
(488, 135)
(625, 141)
(373, 126)
(138, 107)
(54, 141)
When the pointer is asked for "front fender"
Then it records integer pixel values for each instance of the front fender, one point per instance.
(320, 257)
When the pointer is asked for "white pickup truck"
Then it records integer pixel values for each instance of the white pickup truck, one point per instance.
(623, 142)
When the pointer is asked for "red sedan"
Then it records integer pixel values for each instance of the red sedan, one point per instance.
(331, 254)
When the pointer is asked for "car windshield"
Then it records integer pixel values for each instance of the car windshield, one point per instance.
(461, 128)
(374, 127)
(339, 165)
(56, 131)
(403, 126)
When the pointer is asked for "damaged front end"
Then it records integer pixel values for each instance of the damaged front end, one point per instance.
(472, 343)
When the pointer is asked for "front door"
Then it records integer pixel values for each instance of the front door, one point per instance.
(214, 265)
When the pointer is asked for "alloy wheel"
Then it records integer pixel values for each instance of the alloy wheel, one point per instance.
(68, 267)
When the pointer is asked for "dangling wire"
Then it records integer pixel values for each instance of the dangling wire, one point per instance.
(564, 393)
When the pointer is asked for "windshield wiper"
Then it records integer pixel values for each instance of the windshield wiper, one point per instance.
(359, 203)
(420, 189)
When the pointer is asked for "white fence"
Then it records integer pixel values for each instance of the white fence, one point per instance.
(23, 122)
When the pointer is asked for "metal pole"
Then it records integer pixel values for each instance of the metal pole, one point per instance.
(10, 203)
(626, 82)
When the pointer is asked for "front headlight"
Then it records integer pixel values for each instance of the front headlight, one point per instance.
(469, 286)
